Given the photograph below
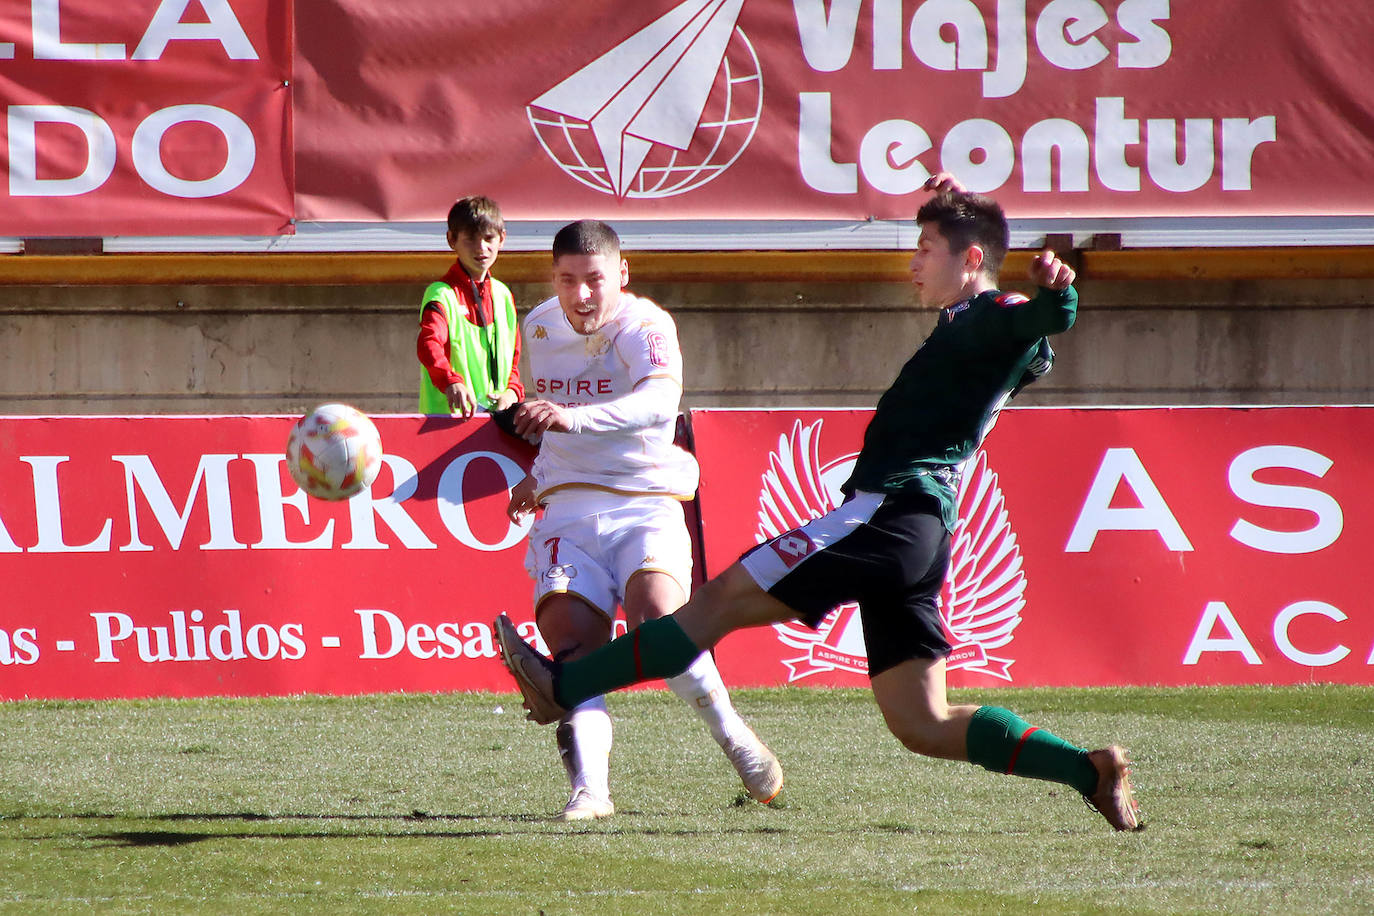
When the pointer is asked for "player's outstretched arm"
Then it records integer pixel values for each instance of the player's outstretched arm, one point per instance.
(1048, 271)
(943, 183)
(1055, 307)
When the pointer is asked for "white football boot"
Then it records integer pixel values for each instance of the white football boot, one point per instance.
(586, 805)
(756, 765)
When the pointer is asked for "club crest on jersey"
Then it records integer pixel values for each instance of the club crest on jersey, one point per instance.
(983, 594)
(658, 349)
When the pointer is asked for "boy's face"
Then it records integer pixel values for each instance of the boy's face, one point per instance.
(588, 288)
(940, 276)
(476, 250)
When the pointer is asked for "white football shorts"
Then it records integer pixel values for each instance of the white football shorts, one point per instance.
(588, 543)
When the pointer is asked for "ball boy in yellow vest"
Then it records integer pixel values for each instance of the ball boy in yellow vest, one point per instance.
(469, 342)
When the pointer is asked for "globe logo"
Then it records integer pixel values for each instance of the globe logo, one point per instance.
(662, 113)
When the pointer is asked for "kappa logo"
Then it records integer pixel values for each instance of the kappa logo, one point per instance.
(663, 112)
(983, 595)
(540, 333)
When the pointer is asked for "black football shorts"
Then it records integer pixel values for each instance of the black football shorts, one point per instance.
(888, 552)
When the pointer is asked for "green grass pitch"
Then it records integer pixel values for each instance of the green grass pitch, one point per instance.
(1258, 800)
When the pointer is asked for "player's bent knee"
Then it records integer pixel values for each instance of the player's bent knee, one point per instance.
(919, 739)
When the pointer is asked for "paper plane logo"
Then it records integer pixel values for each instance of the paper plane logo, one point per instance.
(663, 112)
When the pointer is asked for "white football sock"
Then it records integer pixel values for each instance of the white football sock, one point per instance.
(584, 744)
(701, 688)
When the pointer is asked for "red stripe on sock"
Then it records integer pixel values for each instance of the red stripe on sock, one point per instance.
(1011, 764)
(639, 663)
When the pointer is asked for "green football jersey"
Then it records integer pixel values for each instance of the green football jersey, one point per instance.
(946, 398)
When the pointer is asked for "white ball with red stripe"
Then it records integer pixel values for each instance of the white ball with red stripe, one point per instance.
(334, 452)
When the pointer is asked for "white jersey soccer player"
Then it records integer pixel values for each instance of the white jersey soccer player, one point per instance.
(621, 386)
(606, 377)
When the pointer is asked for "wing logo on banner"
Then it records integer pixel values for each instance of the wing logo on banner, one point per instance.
(981, 602)
(663, 112)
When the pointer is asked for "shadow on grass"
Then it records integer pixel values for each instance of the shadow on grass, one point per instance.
(174, 817)
(174, 838)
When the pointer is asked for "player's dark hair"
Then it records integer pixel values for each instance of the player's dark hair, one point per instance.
(586, 236)
(964, 220)
(479, 215)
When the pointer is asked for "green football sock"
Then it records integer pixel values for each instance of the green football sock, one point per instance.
(1001, 741)
(654, 649)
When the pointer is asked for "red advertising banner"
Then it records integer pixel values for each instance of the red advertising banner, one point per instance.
(824, 109)
(167, 117)
(174, 556)
(146, 117)
(1095, 547)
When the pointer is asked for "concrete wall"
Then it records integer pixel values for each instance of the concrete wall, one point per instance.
(261, 348)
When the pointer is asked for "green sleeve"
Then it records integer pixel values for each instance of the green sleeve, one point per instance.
(1052, 311)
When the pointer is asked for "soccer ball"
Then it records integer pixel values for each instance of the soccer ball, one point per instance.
(334, 452)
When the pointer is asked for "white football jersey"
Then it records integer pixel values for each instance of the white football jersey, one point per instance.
(574, 370)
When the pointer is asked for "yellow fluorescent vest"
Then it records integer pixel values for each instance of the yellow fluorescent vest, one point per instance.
(470, 347)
